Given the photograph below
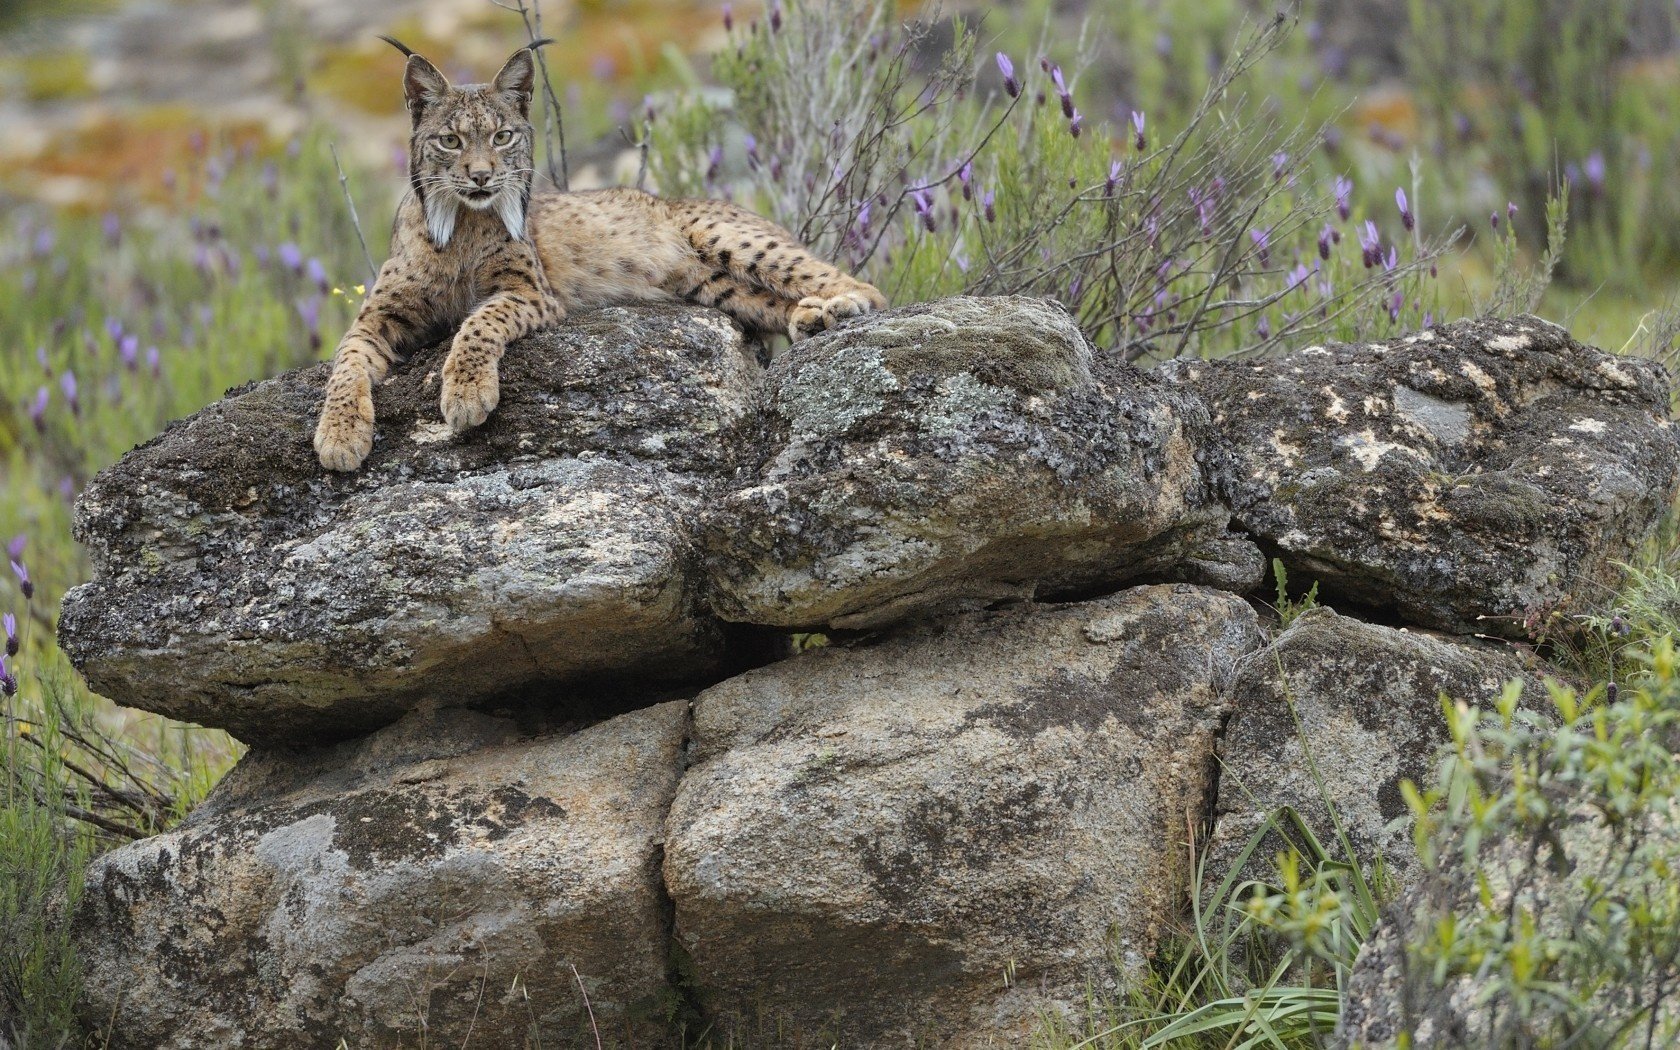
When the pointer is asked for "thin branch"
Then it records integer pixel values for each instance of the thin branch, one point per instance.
(344, 184)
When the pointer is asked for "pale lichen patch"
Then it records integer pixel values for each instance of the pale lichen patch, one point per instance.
(1588, 426)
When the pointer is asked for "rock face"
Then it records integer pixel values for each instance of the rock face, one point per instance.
(1363, 704)
(440, 877)
(871, 842)
(950, 455)
(239, 585)
(1462, 477)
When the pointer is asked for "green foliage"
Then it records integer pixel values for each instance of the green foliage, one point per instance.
(1557, 909)
(1529, 94)
(1290, 609)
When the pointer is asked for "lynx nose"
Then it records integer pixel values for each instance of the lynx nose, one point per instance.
(479, 176)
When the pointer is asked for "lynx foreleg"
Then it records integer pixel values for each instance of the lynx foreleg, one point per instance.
(390, 319)
(471, 372)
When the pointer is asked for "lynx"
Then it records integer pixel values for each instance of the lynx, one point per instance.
(475, 250)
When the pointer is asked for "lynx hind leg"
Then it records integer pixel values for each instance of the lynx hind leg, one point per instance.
(729, 239)
(756, 309)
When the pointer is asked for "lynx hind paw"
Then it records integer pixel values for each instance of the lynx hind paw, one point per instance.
(344, 436)
(816, 314)
(469, 397)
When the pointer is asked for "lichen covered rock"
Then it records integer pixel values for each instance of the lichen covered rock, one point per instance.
(936, 836)
(239, 585)
(1464, 477)
(432, 884)
(949, 455)
(1344, 711)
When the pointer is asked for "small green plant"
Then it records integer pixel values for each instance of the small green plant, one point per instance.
(1553, 915)
(1290, 609)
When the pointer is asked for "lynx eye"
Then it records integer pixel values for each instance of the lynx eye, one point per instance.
(503, 137)
(449, 141)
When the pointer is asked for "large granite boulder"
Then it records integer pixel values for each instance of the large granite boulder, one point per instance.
(952, 454)
(930, 840)
(1465, 477)
(432, 884)
(239, 585)
(1340, 711)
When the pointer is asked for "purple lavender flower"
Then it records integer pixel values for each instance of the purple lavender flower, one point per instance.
(752, 152)
(1595, 172)
(1264, 328)
(67, 383)
(1062, 92)
(1298, 276)
(10, 623)
(44, 242)
(15, 546)
(129, 351)
(1074, 289)
(1394, 306)
(1075, 120)
(714, 160)
(964, 176)
(863, 218)
(1511, 210)
(776, 16)
(25, 584)
(1429, 319)
(318, 274)
(1407, 219)
(38, 410)
(291, 257)
(1493, 220)
(8, 683)
(1010, 85)
(1113, 181)
(1370, 243)
(922, 200)
(1324, 237)
(986, 206)
(112, 227)
(1139, 141)
(1392, 260)
(1280, 165)
(728, 18)
(1344, 189)
(1262, 239)
(309, 309)
(1163, 45)
(153, 361)
(113, 330)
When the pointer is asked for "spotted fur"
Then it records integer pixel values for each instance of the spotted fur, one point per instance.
(476, 251)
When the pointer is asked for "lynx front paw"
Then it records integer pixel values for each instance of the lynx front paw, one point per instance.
(469, 394)
(816, 314)
(344, 436)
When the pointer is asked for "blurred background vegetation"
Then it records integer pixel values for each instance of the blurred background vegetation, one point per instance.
(1189, 176)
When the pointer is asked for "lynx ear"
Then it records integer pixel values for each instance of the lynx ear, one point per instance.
(422, 83)
(518, 76)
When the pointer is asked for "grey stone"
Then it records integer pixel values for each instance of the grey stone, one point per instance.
(939, 835)
(238, 584)
(432, 884)
(949, 455)
(1361, 704)
(1466, 477)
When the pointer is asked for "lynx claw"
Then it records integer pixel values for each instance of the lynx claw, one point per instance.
(468, 400)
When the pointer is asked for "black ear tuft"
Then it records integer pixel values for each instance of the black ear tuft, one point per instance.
(398, 44)
(517, 77)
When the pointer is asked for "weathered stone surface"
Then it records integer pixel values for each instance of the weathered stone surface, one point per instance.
(871, 839)
(1461, 477)
(951, 454)
(238, 584)
(390, 891)
(1363, 704)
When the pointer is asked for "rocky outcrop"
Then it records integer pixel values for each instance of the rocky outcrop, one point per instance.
(440, 877)
(951, 455)
(1338, 713)
(939, 828)
(237, 584)
(1463, 478)
(872, 844)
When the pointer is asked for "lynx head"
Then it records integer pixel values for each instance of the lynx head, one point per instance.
(472, 145)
